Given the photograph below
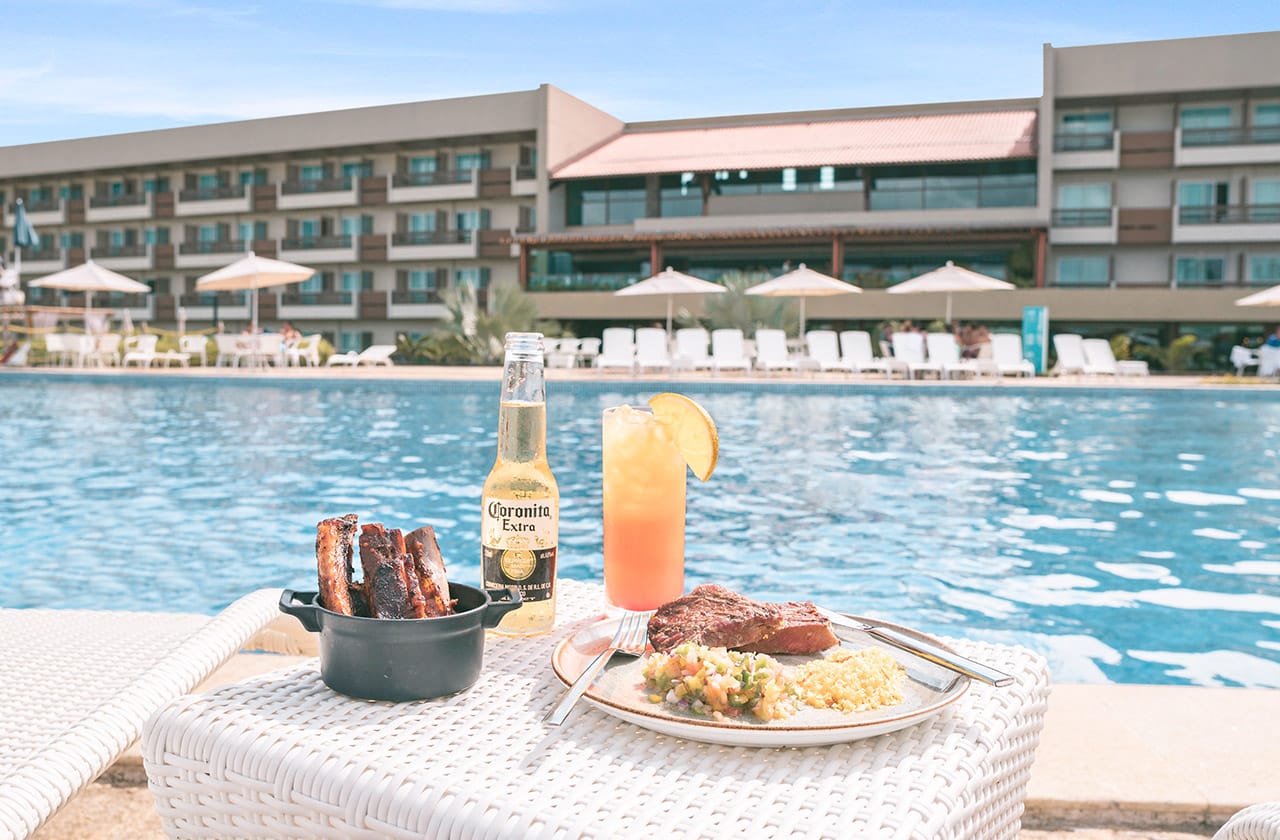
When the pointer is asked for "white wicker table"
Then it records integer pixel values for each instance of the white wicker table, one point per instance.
(283, 756)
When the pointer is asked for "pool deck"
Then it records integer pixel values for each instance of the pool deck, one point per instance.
(1115, 762)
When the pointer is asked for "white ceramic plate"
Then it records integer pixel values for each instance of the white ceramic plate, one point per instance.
(618, 691)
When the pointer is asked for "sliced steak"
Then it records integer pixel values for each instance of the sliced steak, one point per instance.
(804, 630)
(712, 615)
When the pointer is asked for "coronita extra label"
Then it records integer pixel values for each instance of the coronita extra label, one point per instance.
(518, 545)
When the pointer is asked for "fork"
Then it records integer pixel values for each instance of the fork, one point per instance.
(631, 638)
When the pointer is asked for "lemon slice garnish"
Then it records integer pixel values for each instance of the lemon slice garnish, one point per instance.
(692, 429)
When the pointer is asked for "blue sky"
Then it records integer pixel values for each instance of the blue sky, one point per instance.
(76, 68)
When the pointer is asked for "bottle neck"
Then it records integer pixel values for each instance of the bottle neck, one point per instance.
(522, 416)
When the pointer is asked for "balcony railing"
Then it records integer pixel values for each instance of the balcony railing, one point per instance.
(1093, 142)
(212, 193)
(123, 301)
(42, 255)
(208, 299)
(1238, 136)
(419, 296)
(433, 179)
(298, 298)
(220, 246)
(432, 237)
(580, 282)
(526, 173)
(1082, 217)
(38, 205)
(300, 243)
(316, 185)
(122, 200)
(1233, 215)
(100, 251)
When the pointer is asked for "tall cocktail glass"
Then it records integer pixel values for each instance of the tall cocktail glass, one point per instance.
(644, 491)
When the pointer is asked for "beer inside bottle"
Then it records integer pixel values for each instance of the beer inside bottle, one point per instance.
(520, 504)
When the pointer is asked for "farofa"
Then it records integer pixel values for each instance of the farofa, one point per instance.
(850, 681)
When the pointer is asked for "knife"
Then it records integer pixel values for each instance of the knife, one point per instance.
(925, 650)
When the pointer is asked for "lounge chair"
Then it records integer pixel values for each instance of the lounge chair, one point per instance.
(1242, 358)
(193, 347)
(306, 351)
(565, 355)
(230, 348)
(1006, 354)
(374, 354)
(618, 349)
(1070, 350)
(771, 351)
(140, 349)
(824, 351)
(691, 349)
(1268, 361)
(79, 684)
(728, 351)
(1257, 822)
(1099, 359)
(106, 349)
(651, 349)
(909, 348)
(944, 352)
(588, 350)
(855, 348)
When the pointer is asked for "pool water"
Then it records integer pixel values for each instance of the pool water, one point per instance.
(1130, 536)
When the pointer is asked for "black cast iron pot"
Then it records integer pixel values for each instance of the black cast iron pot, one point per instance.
(403, 659)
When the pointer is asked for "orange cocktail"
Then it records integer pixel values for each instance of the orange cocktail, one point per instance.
(644, 484)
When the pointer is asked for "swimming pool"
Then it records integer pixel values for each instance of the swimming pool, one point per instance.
(1131, 536)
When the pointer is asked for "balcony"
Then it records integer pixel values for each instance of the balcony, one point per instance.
(45, 261)
(141, 307)
(122, 257)
(524, 180)
(433, 245)
(119, 208)
(1086, 151)
(1084, 226)
(207, 201)
(416, 303)
(42, 211)
(576, 282)
(200, 306)
(212, 254)
(318, 192)
(301, 306)
(318, 249)
(1222, 223)
(434, 186)
(1215, 146)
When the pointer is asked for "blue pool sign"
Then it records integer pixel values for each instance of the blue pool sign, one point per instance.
(1035, 336)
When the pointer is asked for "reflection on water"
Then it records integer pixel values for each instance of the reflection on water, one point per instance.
(1130, 537)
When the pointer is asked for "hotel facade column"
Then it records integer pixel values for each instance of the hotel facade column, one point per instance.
(1041, 255)
(522, 271)
(837, 257)
(655, 256)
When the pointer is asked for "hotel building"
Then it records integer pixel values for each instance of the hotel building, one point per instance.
(1141, 188)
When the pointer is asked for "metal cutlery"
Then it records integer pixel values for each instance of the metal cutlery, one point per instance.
(925, 650)
(631, 638)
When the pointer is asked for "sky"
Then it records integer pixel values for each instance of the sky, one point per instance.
(80, 68)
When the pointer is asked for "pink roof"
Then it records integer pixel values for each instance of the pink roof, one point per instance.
(930, 138)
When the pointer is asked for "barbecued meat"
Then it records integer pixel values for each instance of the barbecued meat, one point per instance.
(389, 582)
(334, 539)
(804, 630)
(428, 566)
(711, 615)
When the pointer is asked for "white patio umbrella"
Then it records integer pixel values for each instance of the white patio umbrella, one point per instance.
(671, 283)
(89, 277)
(1266, 297)
(250, 273)
(950, 278)
(803, 283)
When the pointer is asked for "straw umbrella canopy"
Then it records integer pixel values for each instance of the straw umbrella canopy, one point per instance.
(250, 273)
(671, 283)
(1266, 297)
(950, 278)
(803, 283)
(89, 277)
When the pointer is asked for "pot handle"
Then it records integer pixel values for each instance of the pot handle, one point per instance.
(305, 612)
(500, 605)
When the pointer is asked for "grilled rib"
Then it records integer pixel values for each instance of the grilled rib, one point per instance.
(334, 541)
(428, 568)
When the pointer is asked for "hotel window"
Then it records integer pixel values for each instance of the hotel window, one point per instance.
(827, 178)
(420, 279)
(357, 281)
(313, 284)
(357, 225)
(1084, 271)
(1264, 269)
(363, 169)
(476, 278)
(789, 179)
(208, 233)
(1266, 194)
(420, 222)
(253, 177)
(354, 342)
(1205, 116)
(473, 219)
(1085, 122)
(70, 239)
(155, 185)
(309, 227)
(208, 182)
(1202, 202)
(156, 236)
(71, 191)
(422, 164)
(1000, 184)
(612, 201)
(250, 231)
(1083, 205)
(679, 195)
(311, 173)
(1198, 271)
(472, 160)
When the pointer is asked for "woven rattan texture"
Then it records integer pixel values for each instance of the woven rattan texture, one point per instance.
(1257, 822)
(281, 756)
(78, 685)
